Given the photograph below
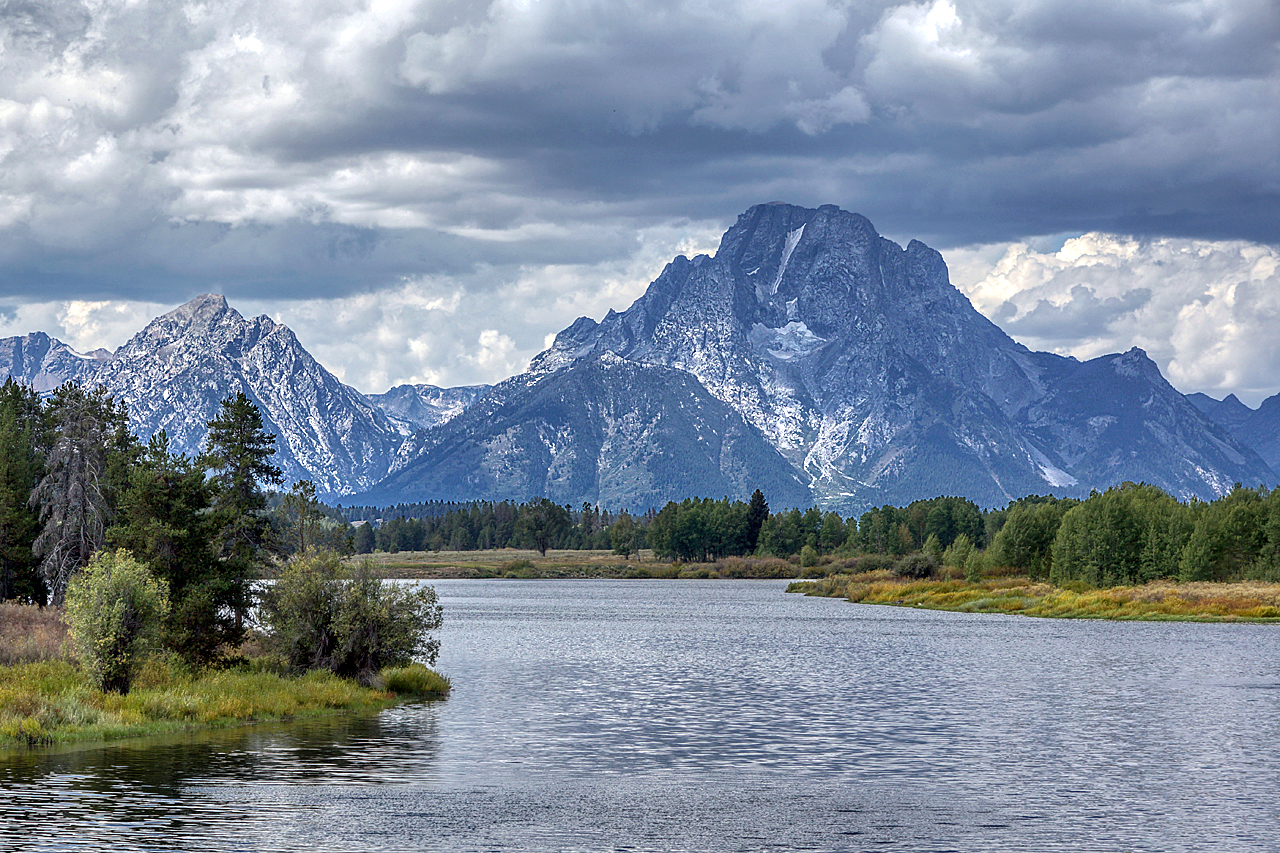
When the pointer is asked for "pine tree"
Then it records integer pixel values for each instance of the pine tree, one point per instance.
(21, 468)
(238, 455)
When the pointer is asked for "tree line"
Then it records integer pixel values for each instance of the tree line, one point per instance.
(74, 481)
(1129, 534)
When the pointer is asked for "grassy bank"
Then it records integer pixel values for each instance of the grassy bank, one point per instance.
(46, 699)
(1162, 600)
(514, 563)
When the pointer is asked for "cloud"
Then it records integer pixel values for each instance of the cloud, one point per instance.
(1206, 311)
(314, 158)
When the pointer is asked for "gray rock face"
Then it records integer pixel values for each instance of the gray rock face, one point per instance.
(415, 407)
(613, 431)
(875, 379)
(174, 374)
(1257, 429)
(44, 363)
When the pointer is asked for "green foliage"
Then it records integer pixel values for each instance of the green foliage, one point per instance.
(114, 610)
(321, 616)
(1120, 536)
(808, 556)
(958, 552)
(237, 456)
(1229, 539)
(415, 680)
(1025, 541)
(542, 523)
(625, 535)
(21, 468)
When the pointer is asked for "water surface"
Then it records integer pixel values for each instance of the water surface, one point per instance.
(722, 716)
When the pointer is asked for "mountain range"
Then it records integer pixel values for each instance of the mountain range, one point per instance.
(809, 357)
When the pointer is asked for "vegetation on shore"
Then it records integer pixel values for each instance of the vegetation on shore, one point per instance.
(46, 698)
(129, 576)
(1021, 595)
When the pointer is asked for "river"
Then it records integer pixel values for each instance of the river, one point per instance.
(721, 716)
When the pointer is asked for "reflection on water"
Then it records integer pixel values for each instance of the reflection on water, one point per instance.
(719, 715)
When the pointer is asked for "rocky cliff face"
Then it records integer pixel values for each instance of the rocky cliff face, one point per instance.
(44, 363)
(1258, 429)
(875, 379)
(415, 407)
(174, 374)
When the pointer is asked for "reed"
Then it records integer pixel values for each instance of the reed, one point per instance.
(54, 702)
(30, 634)
(1161, 600)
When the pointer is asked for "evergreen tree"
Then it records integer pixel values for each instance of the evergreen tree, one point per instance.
(238, 455)
(164, 521)
(73, 495)
(21, 468)
(757, 514)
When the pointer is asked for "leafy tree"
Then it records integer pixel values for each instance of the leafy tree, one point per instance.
(1228, 539)
(1026, 540)
(114, 610)
(625, 535)
(321, 616)
(1108, 539)
(542, 523)
(73, 495)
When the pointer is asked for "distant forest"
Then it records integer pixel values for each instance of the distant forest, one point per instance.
(1129, 534)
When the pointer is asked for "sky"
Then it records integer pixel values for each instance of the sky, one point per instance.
(429, 191)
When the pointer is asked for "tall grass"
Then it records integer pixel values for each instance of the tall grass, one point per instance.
(53, 701)
(1162, 600)
(30, 634)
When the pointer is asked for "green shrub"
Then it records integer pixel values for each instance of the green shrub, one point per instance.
(319, 615)
(915, 566)
(415, 680)
(808, 556)
(114, 610)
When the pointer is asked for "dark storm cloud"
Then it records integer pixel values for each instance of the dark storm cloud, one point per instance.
(289, 152)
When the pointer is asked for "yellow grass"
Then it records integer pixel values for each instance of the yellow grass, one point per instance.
(1161, 600)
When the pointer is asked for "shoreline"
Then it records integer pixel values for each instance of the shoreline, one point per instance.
(1158, 601)
(51, 703)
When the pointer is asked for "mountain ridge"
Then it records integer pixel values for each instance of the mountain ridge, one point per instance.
(808, 354)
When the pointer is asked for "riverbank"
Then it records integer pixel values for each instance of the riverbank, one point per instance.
(1160, 600)
(46, 699)
(566, 565)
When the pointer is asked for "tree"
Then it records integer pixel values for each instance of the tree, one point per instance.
(21, 468)
(364, 540)
(757, 514)
(237, 454)
(542, 523)
(625, 535)
(114, 612)
(302, 516)
(73, 494)
(164, 520)
(322, 616)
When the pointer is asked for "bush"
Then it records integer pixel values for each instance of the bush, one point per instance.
(808, 556)
(322, 616)
(915, 566)
(114, 610)
(415, 680)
